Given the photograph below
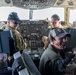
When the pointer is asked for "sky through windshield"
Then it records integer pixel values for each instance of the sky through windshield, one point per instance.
(37, 14)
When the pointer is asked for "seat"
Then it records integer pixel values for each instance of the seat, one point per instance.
(29, 62)
(72, 40)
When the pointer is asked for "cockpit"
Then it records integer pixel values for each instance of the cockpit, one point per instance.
(35, 25)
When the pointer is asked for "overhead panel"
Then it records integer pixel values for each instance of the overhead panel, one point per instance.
(34, 4)
(38, 4)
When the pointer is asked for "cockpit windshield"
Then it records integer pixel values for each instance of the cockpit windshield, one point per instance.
(39, 14)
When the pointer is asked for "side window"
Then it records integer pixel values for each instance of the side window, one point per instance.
(72, 16)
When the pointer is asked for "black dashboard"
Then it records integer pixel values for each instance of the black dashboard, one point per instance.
(33, 31)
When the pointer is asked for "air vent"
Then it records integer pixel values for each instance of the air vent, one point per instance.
(70, 2)
(59, 2)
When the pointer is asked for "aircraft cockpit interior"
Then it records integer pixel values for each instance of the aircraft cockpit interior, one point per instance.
(34, 29)
(33, 32)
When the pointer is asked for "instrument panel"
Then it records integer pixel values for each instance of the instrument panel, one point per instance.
(33, 31)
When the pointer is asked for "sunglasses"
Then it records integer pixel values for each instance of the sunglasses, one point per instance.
(15, 22)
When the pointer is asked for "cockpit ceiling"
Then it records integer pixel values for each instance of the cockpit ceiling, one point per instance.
(38, 4)
(34, 4)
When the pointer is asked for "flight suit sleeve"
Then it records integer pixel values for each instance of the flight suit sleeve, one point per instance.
(19, 42)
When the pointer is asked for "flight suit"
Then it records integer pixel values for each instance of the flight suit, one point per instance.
(52, 63)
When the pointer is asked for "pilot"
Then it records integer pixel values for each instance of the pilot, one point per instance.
(52, 62)
(13, 22)
(54, 23)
